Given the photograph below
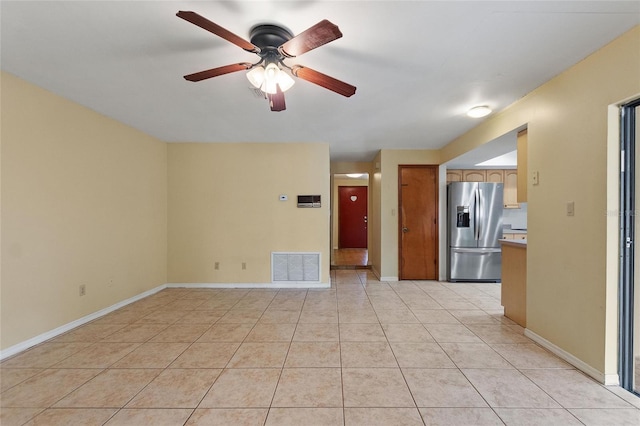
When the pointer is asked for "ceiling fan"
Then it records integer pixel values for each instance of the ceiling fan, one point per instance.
(273, 44)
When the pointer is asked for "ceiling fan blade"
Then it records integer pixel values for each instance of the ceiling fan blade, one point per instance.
(323, 80)
(215, 72)
(216, 29)
(321, 33)
(276, 100)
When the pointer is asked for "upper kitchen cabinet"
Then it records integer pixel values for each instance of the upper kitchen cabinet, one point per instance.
(495, 175)
(454, 175)
(522, 166)
(508, 177)
(474, 176)
(511, 190)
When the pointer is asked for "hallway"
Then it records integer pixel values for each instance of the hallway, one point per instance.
(350, 258)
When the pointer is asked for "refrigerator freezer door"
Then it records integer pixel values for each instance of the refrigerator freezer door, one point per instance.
(475, 264)
(462, 198)
(490, 214)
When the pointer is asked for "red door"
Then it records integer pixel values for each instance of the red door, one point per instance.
(352, 216)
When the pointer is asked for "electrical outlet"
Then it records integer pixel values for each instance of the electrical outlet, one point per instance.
(83, 289)
(216, 266)
(244, 265)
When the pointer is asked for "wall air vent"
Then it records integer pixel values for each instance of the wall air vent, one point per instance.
(295, 267)
(309, 201)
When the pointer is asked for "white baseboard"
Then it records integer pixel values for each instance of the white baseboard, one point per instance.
(380, 278)
(607, 379)
(275, 285)
(612, 380)
(375, 272)
(12, 350)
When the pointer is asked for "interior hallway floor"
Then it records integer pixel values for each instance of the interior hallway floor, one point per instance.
(363, 352)
(350, 258)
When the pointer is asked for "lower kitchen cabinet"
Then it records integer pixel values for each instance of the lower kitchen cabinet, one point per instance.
(514, 281)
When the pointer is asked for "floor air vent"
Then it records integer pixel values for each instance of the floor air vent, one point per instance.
(288, 267)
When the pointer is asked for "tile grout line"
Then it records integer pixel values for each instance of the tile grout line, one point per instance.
(284, 361)
(404, 378)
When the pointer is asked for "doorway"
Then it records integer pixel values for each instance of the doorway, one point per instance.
(629, 296)
(350, 221)
(352, 217)
(418, 233)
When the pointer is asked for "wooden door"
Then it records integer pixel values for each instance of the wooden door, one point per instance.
(418, 193)
(352, 216)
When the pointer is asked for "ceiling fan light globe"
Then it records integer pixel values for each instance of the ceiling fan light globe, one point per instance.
(271, 71)
(269, 87)
(256, 77)
(273, 77)
(285, 81)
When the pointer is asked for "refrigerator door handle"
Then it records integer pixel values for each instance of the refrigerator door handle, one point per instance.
(476, 212)
(480, 212)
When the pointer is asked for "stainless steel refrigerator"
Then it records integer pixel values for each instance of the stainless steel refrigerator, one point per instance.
(474, 227)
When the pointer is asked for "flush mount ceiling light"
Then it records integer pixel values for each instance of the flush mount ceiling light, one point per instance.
(355, 175)
(479, 111)
(273, 44)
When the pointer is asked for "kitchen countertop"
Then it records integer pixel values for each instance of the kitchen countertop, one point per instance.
(514, 243)
(513, 231)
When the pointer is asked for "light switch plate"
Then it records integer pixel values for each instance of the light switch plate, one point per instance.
(535, 180)
(570, 208)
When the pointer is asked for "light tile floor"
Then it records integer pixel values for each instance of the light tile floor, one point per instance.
(361, 353)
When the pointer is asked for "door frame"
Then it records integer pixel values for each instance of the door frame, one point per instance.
(436, 168)
(627, 244)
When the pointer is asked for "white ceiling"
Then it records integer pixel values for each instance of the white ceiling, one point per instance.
(418, 65)
(501, 152)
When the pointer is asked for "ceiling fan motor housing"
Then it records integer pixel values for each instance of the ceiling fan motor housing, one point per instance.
(269, 37)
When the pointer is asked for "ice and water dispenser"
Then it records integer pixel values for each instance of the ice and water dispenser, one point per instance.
(462, 215)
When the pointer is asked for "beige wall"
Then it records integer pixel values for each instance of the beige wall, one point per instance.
(571, 293)
(375, 212)
(224, 207)
(343, 167)
(389, 162)
(83, 202)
